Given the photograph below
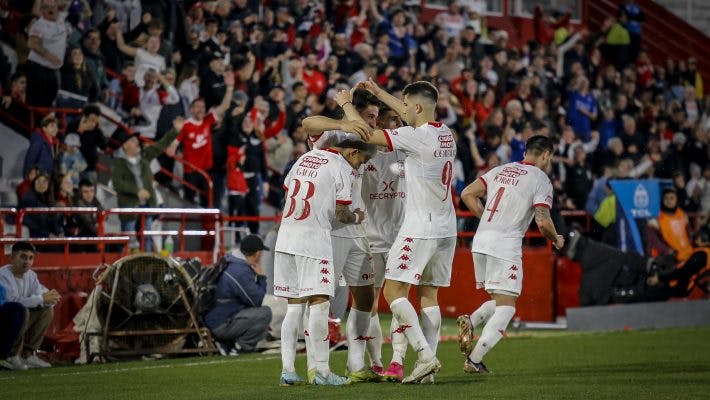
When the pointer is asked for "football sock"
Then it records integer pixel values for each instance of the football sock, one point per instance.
(409, 325)
(318, 332)
(492, 332)
(356, 328)
(289, 335)
(310, 361)
(483, 313)
(431, 326)
(399, 342)
(374, 345)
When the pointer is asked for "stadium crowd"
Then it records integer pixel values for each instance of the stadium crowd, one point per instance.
(267, 65)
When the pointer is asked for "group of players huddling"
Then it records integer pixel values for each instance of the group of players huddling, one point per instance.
(371, 204)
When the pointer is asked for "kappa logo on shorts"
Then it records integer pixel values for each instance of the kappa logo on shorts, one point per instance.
(513, 268)
(404, 257)
(324, 280)
(403, 266)
(417, 276)
(324, 262)
(406, 248)
(409, 240)
(324, 271)
(513, 277)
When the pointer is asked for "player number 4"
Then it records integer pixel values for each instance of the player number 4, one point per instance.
(496, 202)
(294, 200)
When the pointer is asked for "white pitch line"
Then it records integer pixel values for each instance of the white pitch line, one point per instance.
(129, 369)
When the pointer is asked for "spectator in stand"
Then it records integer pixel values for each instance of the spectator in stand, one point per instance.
(145, 58)
(196, 139)
(23, 287)
(255, 170)
(157, 91)
(42, 150)
(578, 182)
(91, 137)
(41, 195)
(633, 15)
(63, 191)
(26, 184)
(133, 179)
(48, 44)
(95, 60)
(189, 85)
(87, 225)
(71, 162)
(14, 100)
(78, 87)
(12, 319)
(582, 110)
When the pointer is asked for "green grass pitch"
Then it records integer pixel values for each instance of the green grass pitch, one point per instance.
(661, 364)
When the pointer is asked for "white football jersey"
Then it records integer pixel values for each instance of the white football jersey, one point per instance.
(512, 192)
(430, 149)
(331, 138)
(383, 192)
(318, 181)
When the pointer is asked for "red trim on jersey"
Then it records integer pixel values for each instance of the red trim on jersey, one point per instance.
(435, 124)
(285, 187)
(343, 202)
(484, 181)
(314, 139)
(328, 149)
(526, 163)
(542, 205)
(389, 141)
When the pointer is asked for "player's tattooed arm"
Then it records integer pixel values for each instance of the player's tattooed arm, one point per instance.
(547, 227)
(345, 216)
(471, 196)
(317, 124)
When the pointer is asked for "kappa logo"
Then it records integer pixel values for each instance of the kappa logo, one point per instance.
(392, 132)
(513, 277)
(324, 271)
(364, 338)
(324, 280)
(404, 257)
(324, 262)
(370, 168)
(401, 329)
(305, 333)
(406, 248)
(403, 266)
(417, 276)
(409, 240)
(514, 268)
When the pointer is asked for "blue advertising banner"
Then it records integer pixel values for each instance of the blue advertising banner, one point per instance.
(636, 199)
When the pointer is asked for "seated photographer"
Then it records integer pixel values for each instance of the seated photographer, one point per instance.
(239, 320)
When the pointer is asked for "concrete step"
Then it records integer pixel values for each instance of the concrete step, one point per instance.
(673, 314)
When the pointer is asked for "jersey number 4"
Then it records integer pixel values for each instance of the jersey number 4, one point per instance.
(306, 196)
(495, 203)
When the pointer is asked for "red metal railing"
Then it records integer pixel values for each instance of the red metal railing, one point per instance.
(66, 242)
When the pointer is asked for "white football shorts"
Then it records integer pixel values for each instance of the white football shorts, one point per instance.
(298, 276)
(421, 261)
(497, 275)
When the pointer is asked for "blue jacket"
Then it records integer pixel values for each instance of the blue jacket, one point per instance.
(238, 287)
(39, 154)
(3, 295)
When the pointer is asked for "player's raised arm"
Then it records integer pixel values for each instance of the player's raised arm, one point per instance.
(471, 196)
(392, 102)
(547, 227)
(344, 215)
(317, 124)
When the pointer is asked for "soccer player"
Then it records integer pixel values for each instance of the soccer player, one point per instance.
(383, 193)
(318, 193)
(514, 192)
(423, 250)
(351, 253)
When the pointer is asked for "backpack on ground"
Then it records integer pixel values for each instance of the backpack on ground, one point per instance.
(206, 286)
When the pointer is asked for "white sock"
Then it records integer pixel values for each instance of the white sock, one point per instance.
(318, 332)
(374, 345)
(492, 332)
(289, 335)
(310, 361)
(399, 342)
(356, 328)
(409, 325)
(431, 326)
(483, 313)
